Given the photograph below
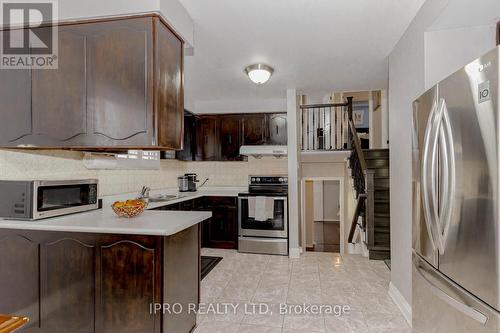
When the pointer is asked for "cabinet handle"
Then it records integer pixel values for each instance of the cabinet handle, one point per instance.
(277, 129)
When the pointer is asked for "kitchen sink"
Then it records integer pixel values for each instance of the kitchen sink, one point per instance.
(162, 197)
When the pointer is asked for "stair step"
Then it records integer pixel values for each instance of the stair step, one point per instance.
(382, 194)
(382, 230)
(382, 215)
(382, 207)
(379, 248)
(376, 153)
(381, 183)
(377, 163)
(381, 173)
(379, 254)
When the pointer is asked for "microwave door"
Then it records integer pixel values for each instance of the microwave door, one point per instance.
(470, 253)
(424, 177)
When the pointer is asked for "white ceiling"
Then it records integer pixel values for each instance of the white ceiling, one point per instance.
(316, 46)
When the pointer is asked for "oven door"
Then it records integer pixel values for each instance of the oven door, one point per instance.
(275, 227)
(55, 198)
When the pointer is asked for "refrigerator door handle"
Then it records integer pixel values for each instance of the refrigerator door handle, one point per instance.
(428, 273)
(428, 181)
(448, 173)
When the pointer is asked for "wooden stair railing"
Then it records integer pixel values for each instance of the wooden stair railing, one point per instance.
(357, 212)
(9, 324)
(357, 164)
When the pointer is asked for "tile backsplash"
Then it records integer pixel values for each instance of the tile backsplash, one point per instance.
(21, 164)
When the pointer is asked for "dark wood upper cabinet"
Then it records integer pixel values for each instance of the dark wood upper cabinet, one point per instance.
(220, 137)
(206, 139)
(119, 85)
(189, 142)
(229, 138)
(60, 96)
(254, 129)
(15, 105)
(277, 129)
(119, 57)
(170, 91)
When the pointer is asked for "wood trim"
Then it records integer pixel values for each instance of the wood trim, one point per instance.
(498, 33)
(102, 19)
(11, 323)
(156, 82)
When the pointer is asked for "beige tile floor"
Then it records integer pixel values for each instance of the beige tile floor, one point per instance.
(316, 278)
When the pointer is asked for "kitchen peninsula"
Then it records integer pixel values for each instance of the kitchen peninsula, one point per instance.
(95, 272)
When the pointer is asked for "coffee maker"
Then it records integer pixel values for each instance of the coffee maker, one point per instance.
(187, 183)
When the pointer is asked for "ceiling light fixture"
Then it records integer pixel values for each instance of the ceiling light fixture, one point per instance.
(259, 73)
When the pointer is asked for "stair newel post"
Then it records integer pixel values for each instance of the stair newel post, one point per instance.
(349, 120)
(349, 107)
(370, 206)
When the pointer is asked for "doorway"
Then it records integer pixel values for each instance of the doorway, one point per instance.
(323, 215)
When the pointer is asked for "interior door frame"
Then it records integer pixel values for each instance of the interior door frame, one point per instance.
(303, 181)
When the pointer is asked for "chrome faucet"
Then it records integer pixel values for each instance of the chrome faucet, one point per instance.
(144, 192)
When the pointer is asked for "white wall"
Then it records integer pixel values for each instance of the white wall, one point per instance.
(448, 50)
(293, 172)
(406, 82)
(419, 60)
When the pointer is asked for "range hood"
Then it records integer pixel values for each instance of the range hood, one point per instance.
(264, 150)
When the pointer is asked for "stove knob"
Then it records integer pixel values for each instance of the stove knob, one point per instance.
(258, 180)
(281, 180)
(253, 180)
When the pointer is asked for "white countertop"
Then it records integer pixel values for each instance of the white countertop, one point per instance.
(151, 222)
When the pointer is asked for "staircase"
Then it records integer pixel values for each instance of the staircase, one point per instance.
(377, 224)
(370, 176)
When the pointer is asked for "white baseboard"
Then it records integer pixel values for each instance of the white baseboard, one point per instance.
(401, 302)
(294, 253)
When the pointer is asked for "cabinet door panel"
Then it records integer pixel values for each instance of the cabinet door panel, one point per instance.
(223, 226)
(229, 138)
(206, 147)
(127, 288)
(189, 145)
(19, 291)
(68, 286)
(170, 103)
(119, 61)
(15, 106)
(278, 129)
(59, 96)
(254, 129)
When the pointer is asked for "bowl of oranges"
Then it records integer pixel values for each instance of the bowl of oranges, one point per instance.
(129, 208)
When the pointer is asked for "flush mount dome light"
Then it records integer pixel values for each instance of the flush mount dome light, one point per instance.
(259, 73)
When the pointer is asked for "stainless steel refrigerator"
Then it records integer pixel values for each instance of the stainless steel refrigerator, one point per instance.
(456, 222)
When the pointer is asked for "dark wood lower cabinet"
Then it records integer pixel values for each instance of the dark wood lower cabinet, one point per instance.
(127, 280)
(77, 282)
(220, 231)
(223, 226)
(19, 279)
(68, 285)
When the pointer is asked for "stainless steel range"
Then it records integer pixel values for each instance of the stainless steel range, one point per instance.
(263, 216)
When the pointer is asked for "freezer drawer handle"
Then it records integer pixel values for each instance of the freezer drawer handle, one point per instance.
(465, 309)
